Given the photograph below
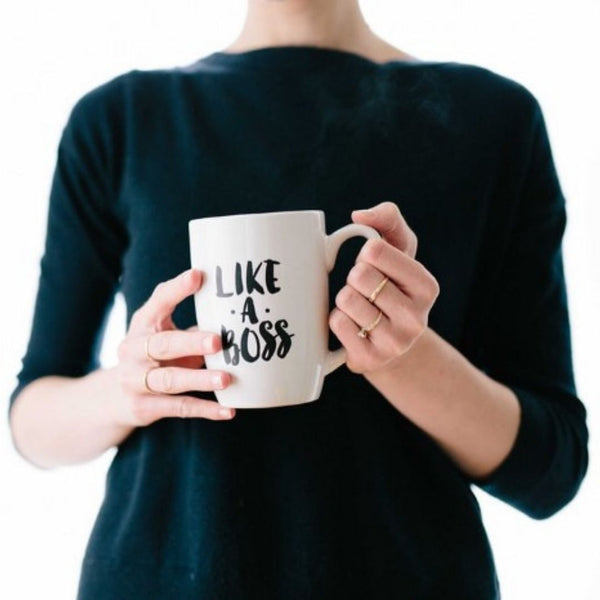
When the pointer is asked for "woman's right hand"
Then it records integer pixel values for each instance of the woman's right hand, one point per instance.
(159, 363)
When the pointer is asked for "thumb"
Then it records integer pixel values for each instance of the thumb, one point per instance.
(388, 220)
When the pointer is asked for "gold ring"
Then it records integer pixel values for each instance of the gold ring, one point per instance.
(147, 348)
(182, 411)
(146, 385)
(364, 331)
(376, 291)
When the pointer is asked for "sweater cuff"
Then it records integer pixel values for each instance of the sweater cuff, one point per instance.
(516, 479)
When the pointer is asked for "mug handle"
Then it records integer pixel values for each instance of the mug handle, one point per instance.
(336, 358)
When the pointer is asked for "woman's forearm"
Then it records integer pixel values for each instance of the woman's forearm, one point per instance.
(471, 416)
(65, 420)
(62, 420)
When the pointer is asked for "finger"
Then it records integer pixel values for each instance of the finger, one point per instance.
(175, 380)
(167, 345)
(165, 298)
(406, 272)
(388, 220)
(191, 362)
(363, 313)
(166, 323)
(364, 278)
(151, 408)
(346, 330)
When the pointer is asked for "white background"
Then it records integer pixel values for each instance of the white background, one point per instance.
(53, 52)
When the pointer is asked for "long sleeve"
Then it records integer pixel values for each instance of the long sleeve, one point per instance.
(527, 345)
(81, 264)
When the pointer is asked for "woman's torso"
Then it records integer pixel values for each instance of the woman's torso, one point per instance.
(342, 497)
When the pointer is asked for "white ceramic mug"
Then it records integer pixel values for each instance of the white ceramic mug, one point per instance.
(265, 290)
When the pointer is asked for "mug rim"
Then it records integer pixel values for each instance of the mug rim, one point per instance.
(274, 214)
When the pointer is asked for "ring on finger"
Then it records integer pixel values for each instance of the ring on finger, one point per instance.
(378, 289)
(146, 384)
(183, 407)
(147, 348)
(364, 331)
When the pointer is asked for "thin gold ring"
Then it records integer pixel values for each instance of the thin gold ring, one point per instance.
(147, 348)
(182, 408)
(376, 291)
(364, 331)
(146, 385)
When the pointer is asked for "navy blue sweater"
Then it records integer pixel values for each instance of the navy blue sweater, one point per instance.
(343, 497)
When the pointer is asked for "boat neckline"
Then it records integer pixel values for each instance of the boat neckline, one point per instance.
(302, 55)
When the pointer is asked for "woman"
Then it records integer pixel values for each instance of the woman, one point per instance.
(464, 375)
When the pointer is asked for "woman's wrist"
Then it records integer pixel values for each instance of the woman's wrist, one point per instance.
(473, 417)
(112, 413)
(60, 420)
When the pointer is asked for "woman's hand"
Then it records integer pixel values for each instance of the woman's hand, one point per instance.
(158, 363)
(405, 300)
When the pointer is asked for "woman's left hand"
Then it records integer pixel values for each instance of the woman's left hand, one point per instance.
(405, 300)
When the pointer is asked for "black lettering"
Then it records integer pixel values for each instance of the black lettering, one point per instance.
(239, 286)
(249, 311)
(270, 340)
(251, 283)
(270, 278)
(285, 337)
(245, 345)
(220, 292)
(231, 351)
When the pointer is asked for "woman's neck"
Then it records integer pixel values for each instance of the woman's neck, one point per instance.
(330, 23)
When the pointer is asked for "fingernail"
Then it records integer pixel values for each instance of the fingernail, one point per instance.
(208, 344)
(363, 211)
(218, 381)
(226, 412)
